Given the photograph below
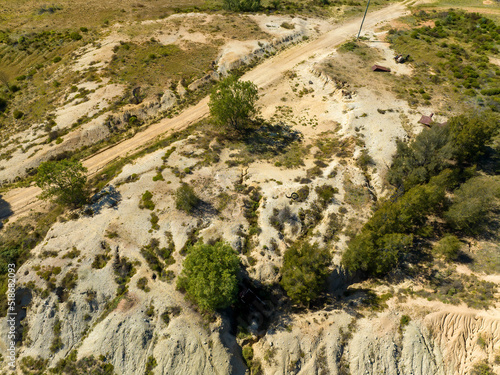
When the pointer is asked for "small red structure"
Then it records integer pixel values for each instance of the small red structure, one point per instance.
(380, 68)
(426, 120)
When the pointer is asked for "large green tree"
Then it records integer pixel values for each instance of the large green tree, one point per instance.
(232, 102)
(210, 275)
(304, 272)
(471, 134)
(64, 181)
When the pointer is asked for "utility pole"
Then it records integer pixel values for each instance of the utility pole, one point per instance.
(366, 11)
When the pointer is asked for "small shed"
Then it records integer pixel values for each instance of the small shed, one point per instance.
(426, 120)
(380, 68)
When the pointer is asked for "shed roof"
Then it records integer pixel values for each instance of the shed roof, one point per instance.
(380, 68)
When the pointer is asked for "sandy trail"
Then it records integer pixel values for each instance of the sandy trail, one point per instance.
(23, 200)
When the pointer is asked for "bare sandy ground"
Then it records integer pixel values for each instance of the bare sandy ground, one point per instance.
(24, 200)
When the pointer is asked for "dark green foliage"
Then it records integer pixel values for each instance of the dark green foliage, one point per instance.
(241, 5)
(448, 246)
(304, 272)
(389, 232)
(425, 157)
(30, 365)
(247, 353)
(472, 204)
(85, 366)
(124, 270)
(150, 365)
(232, 102)
(100, 261)
(470, 135)
(457, 48)
(17, 114)
(209, 275)
(482, 368)
(146, 201)
(186, 199)
(151, 252)
(3, 105)
(325, 194)
(142, 283)
(64, 180)
(404, 321)
(75, 35)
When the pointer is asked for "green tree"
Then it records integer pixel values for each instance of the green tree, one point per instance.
(64, 181)
(472, 204)
(471, 134)
(416, 163)
(210, 275)
(448, 246)
(304, 272)
(241, 5)
(186, 199)
(232, 102)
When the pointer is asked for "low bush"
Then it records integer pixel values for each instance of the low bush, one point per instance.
(186, 199)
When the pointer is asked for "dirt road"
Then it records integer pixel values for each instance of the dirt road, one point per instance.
(22, 201)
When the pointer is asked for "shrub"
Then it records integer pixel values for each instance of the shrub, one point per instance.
(3, 105)
(232, 102)
(403, 322)
(100, 261)
(64, 181)
(304, 272)
(142, 283)
(17, 114)
(470, 135)
(75, 35)
(146, 201)
(154, 221)
(448, 246)
(472, 204)
(241, 5)
(209, 275)
(186, 199)
(57, 59)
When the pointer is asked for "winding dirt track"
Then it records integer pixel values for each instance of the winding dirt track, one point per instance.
(23, 200)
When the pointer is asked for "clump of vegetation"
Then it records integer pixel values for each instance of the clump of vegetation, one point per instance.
(241, 5)
(210, 275)
(424, 172)
(403, 322)
(457, 50)
(100, 261)
(304, 272)
(186, 199)
(448, 246)
(482, 368)
(150, 365)
(142, 284)
(64, 180)
(84, 366)
(325, 194)
(72, 254)
(232, 102)
(124, 270)
(152, 251)
(146, 201)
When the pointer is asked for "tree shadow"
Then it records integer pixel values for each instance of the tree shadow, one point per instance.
(5, 210)
(204, 209)
(268, 138)
(108, 197)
